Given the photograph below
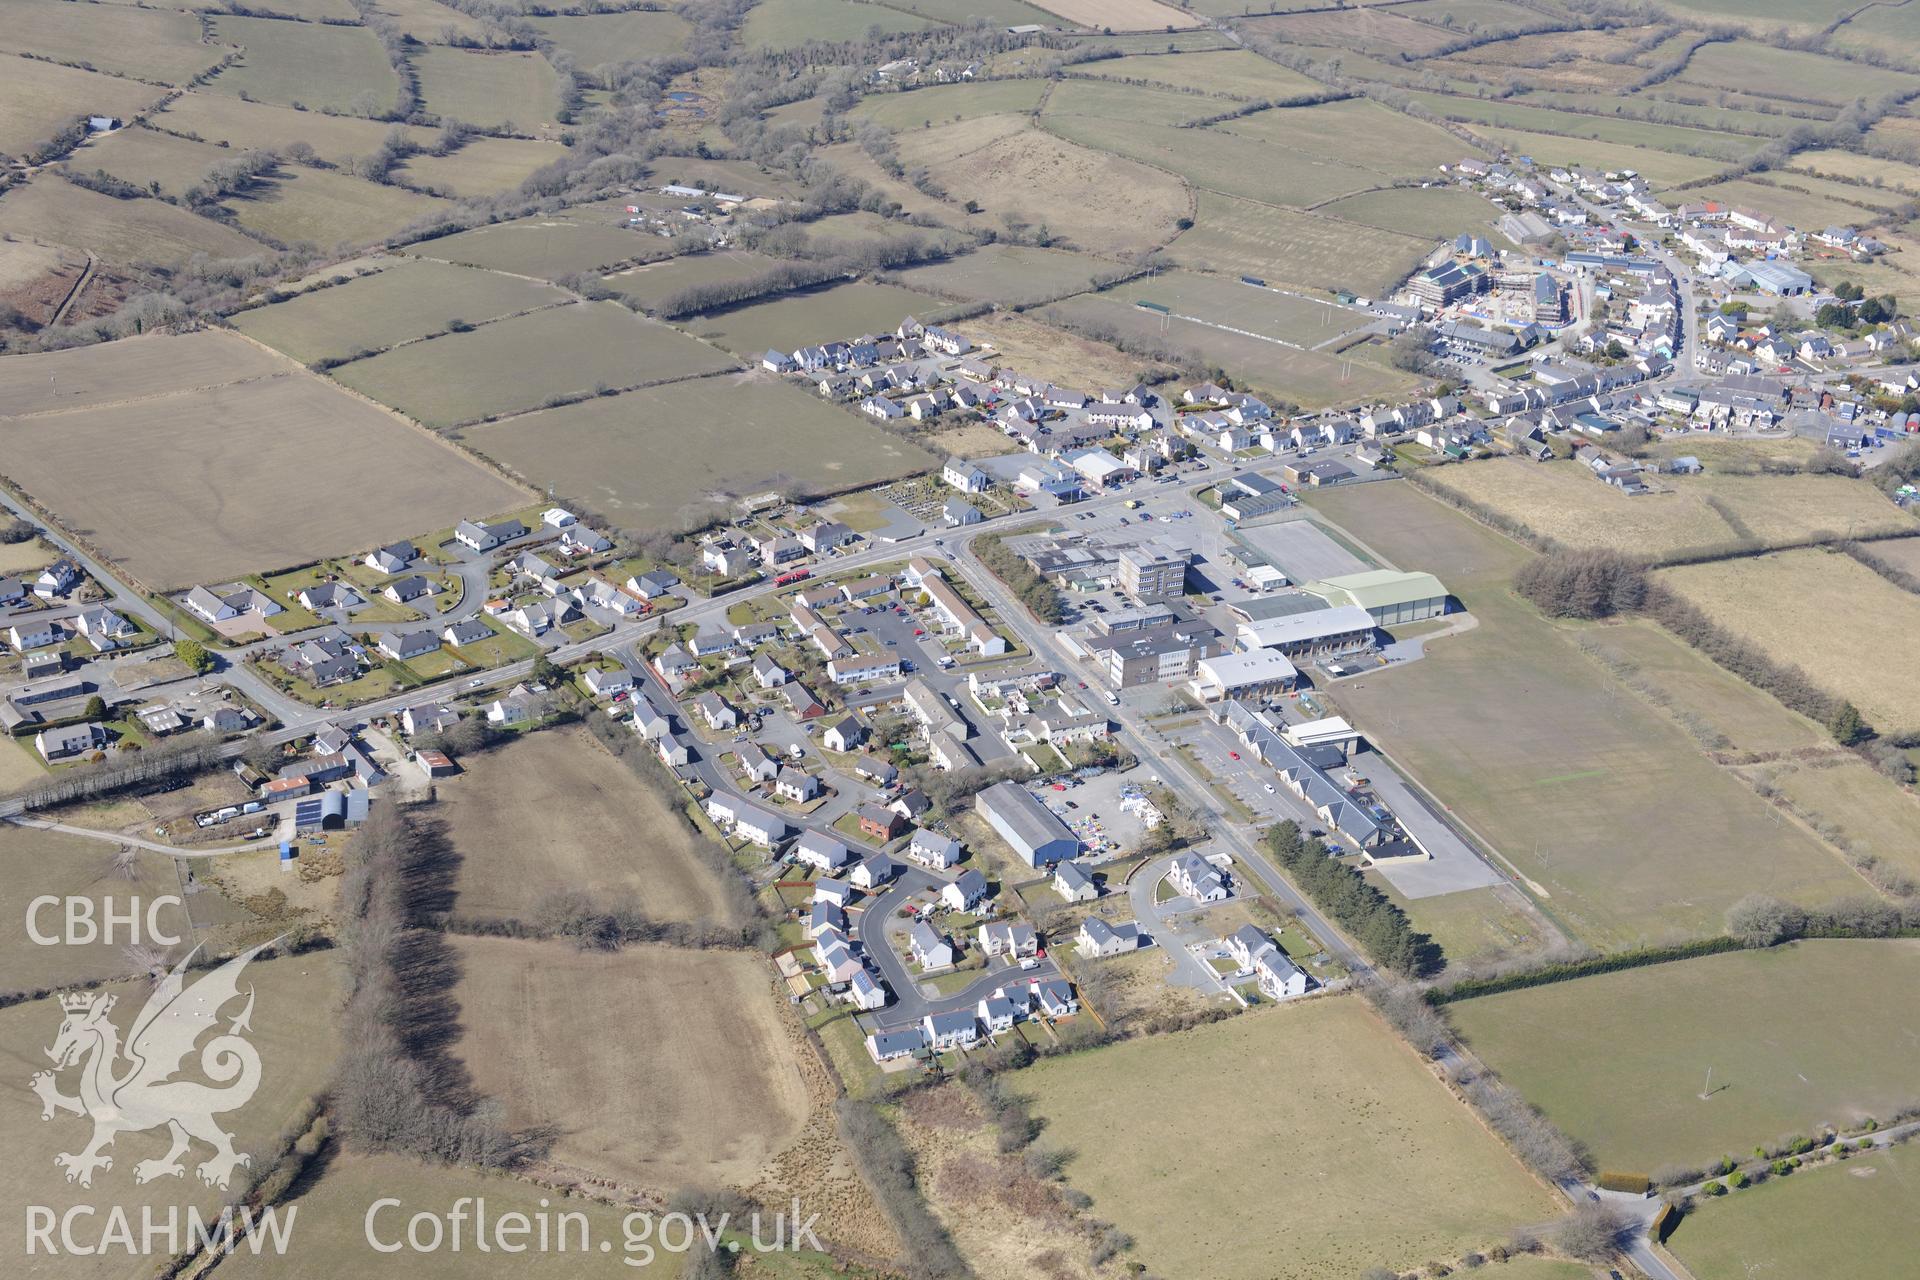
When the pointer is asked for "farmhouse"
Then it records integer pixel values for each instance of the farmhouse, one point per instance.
(1036, 836)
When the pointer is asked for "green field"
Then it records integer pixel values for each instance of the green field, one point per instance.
(547, 245)
(1353, 131)
(1332, 1120)
(1818, 204)
(650, 282)
(1076, 96)
(37, 863)
(146, 43)
(1860, 1220)
(598, 38)
(407, 300)
(1231, 73)
(496, 90)
(148, 159)
(480, 167)
(820, 315)
(1433, 212)
(1878, 28)
(520, 364)
(1371, 31)
(429, 21)
(325, 208)
(941, 104)
(1565, 765)
(1790, 73)
(303, 64)
(1223, 162)
(57, 212)
(1008, 274)
(1798, 1037)
(1636, 133)
(1660, 167)
(1242, 236)
(41, 99)
(787, 24)
(659, 457)
(250, 126)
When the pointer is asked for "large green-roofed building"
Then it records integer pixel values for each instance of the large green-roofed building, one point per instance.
(1392, 597)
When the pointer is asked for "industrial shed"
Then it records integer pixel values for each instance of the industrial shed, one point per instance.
(1392, 597)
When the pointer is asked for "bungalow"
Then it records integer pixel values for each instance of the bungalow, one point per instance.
(579, 540)
(391, 558)
(802, 703)
(845, 735)
(796, 786)
(603, 595)
(485, 537)
(1097, 938)
(876, 770)
(965, 892)
(402, 645)
(1198, 879)
(823, 852)
(330, 595)
(929, 949)
(956, 1030)
(652, 584)
(11, 591)
(466, 631)
(708, 641)
(1054, 997)
(410, 588)
(749, 822)
(874, 872)
(1071, 881)
(208, 605)
(602, 683)
(879, 823)
(1011, 939)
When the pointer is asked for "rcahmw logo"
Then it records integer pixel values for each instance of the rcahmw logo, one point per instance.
(132, 1089)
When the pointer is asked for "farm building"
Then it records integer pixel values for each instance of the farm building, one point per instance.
(1390, 596)
(1038, 837)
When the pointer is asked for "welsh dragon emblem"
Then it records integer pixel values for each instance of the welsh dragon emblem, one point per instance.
(132, 1088)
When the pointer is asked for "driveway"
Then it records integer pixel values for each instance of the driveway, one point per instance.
(1454, 865)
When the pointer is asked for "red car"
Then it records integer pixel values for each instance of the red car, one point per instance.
(1235, 755)
(917, 631)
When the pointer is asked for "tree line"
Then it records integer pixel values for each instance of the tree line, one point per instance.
(1381, 928)
(1040, 597)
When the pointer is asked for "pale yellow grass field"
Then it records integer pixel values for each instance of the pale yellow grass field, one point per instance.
(41, 863)
(555, 811)
(663, 1067)
(1562, 501)
(1842, 623)
(1871, 813)
(1323, 1141)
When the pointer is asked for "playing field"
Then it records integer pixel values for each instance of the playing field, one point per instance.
(555, 811)
(291, 1027)
(1860, 1220)
(1029, 176)
(660, 457)
(144, 43)
(1333, 1120)
(54, 211)
(407, 300)
(521, 363)
(1573, 778)
(1798, 1037)
(685, 1048)
(815, 315)
(548, 246)
(1008, 274)
(1802, 607)
(35, 864)
(595, 39)
(1690, 514)
(306, 64)
(495, 90)
(313, 206)
(1242, 236)
(220, 480)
